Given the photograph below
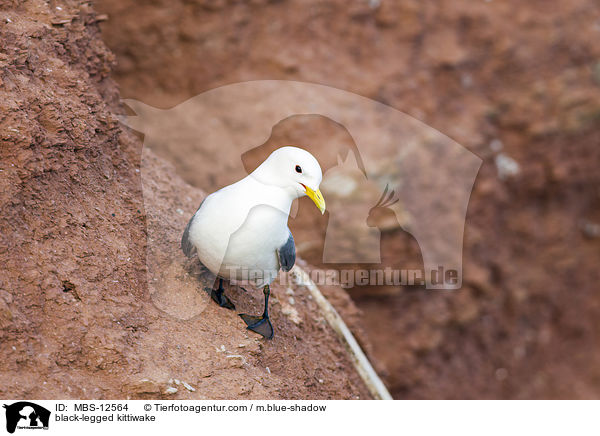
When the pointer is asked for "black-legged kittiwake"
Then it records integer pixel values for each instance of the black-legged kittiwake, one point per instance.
(240, 232)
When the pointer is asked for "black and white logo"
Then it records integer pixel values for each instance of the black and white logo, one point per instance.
(26, 415)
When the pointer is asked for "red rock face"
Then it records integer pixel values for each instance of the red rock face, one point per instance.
(71, 209)
(511, 81)
(76, 307)
(80, 313)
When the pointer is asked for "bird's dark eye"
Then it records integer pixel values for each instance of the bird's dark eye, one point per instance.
(298, 169)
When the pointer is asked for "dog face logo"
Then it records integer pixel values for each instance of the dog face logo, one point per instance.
(26, 415)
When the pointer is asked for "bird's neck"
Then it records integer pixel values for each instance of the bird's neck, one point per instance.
(271, 194)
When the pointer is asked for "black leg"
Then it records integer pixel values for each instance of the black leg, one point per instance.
(218, 295)
(261, 324)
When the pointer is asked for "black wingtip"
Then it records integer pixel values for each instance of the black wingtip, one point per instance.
(287, 254)
(186, 245)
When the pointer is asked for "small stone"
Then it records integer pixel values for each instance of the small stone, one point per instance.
(501, 374)
(143, 386)
(466, 80)
(236, 360)
(291, 313)
(188, 386)
(245, 344)
(590, 230)
(496, 145)
(506, 166)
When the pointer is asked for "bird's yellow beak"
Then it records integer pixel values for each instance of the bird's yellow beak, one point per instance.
(317, 197)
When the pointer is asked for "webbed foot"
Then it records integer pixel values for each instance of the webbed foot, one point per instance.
(219, 297)
(259, 324)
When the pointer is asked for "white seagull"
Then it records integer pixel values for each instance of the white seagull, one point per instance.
(240, 232)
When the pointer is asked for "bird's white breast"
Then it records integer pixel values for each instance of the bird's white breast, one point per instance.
(241, 227)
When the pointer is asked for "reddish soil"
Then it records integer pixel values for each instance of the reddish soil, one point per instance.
(96, 299)
(522, 74)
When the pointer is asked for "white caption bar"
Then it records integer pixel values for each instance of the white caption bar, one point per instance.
(23, 417)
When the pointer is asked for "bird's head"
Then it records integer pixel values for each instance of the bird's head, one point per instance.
(295, 170)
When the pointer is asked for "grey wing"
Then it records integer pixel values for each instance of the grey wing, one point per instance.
(186, 245)
(287, 254)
